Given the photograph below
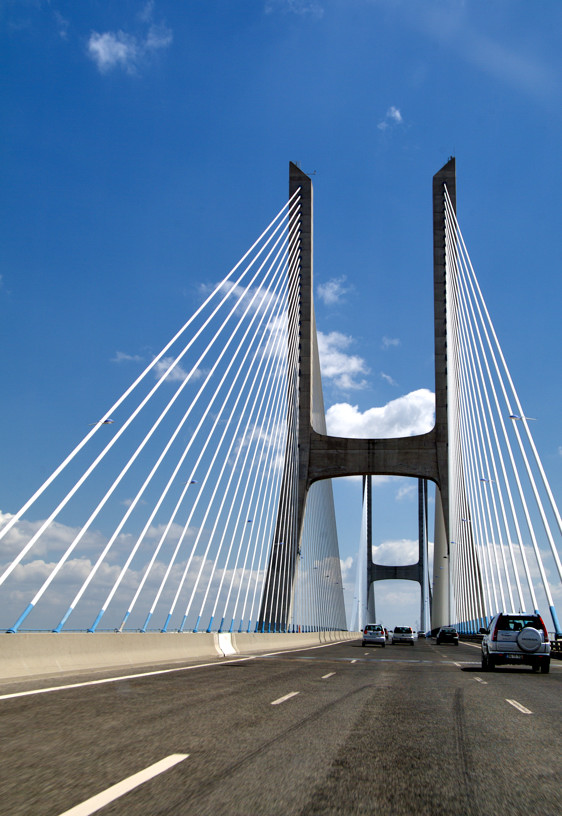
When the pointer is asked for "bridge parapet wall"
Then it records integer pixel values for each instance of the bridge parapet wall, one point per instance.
(26, 655)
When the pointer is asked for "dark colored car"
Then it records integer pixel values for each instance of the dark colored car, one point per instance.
(447, 634)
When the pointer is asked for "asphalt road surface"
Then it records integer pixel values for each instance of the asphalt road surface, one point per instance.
(339, 729)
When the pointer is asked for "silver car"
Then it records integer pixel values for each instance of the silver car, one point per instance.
(403, 634)
(373, 633)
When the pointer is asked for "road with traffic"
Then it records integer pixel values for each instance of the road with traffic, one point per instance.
(339, 729)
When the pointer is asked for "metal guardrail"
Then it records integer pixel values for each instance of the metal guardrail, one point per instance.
(556, 648)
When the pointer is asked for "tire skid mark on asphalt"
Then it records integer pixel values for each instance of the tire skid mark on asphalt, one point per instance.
(518, 706)
(465, 756)
(220, 776)
(100, 800)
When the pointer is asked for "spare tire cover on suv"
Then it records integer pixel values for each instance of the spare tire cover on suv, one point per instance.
(529, 639)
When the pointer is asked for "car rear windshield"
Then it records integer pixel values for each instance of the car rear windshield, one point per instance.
(402, 629)
(373, 628)
(515, 623)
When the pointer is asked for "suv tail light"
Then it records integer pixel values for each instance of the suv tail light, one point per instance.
(496, 627)
(545, 633)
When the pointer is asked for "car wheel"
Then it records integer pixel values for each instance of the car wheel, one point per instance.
(456, 643)
(383, 645)
(485, 662)
(535, 667)
(363, 643)
(412, 643)
(545, 666)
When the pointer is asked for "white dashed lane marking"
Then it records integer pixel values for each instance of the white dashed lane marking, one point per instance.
(325, 676)
(121, 788)
(518, 706)
(479, 680)
(286, 697)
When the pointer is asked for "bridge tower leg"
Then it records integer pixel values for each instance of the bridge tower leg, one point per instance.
(304, 367)
(410, 572)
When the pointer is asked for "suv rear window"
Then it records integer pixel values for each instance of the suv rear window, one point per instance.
(515, 623)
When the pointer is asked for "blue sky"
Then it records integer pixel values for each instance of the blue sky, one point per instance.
(146, 145)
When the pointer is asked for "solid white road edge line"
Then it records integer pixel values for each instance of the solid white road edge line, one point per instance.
(518, 706)
(286, 697)
(121, 788)
(325, 676)
(112, 679)
(161, 671)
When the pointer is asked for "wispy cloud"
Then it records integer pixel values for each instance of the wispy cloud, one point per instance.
(119, 49)
(333, 291)
(343, 369)
(314, 8)
(521, 65)
(410, 414)
(389, 342)
(387, 378)
(177, 374)
(62, 25)
(392, 118)
(123, 357)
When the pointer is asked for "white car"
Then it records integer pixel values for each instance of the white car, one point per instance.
(373, 633)
(403, 634)
(516, 638)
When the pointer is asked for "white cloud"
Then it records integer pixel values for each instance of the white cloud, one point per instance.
(62, 25)
(396, 553)
(407, 491)
(341, 368)
(389, 342)
(177, 374)
(406, 416)
(333, 291)
(392, 117)
(112, 50)
(387, 378)
(123, 357)
(301, 7)
(119, 49)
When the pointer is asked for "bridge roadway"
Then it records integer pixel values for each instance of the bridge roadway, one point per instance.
(398, 730)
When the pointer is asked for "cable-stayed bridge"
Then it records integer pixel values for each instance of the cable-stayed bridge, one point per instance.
(201, 500)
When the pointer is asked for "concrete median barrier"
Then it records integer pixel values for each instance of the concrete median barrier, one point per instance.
(34, 654)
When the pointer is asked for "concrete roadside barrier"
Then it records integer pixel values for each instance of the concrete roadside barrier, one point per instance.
(47, 653)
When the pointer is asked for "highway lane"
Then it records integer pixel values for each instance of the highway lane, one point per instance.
(335, 730)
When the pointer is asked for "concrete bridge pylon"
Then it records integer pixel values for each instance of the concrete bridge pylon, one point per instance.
(321, 456)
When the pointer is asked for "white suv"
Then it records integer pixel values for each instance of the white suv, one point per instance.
(516, 638)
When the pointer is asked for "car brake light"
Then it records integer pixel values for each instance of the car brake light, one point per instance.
(545, 633)
(495, 632)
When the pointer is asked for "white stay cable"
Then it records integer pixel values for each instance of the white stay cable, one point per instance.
(15, 518)
(113, 441)
(515, 470)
